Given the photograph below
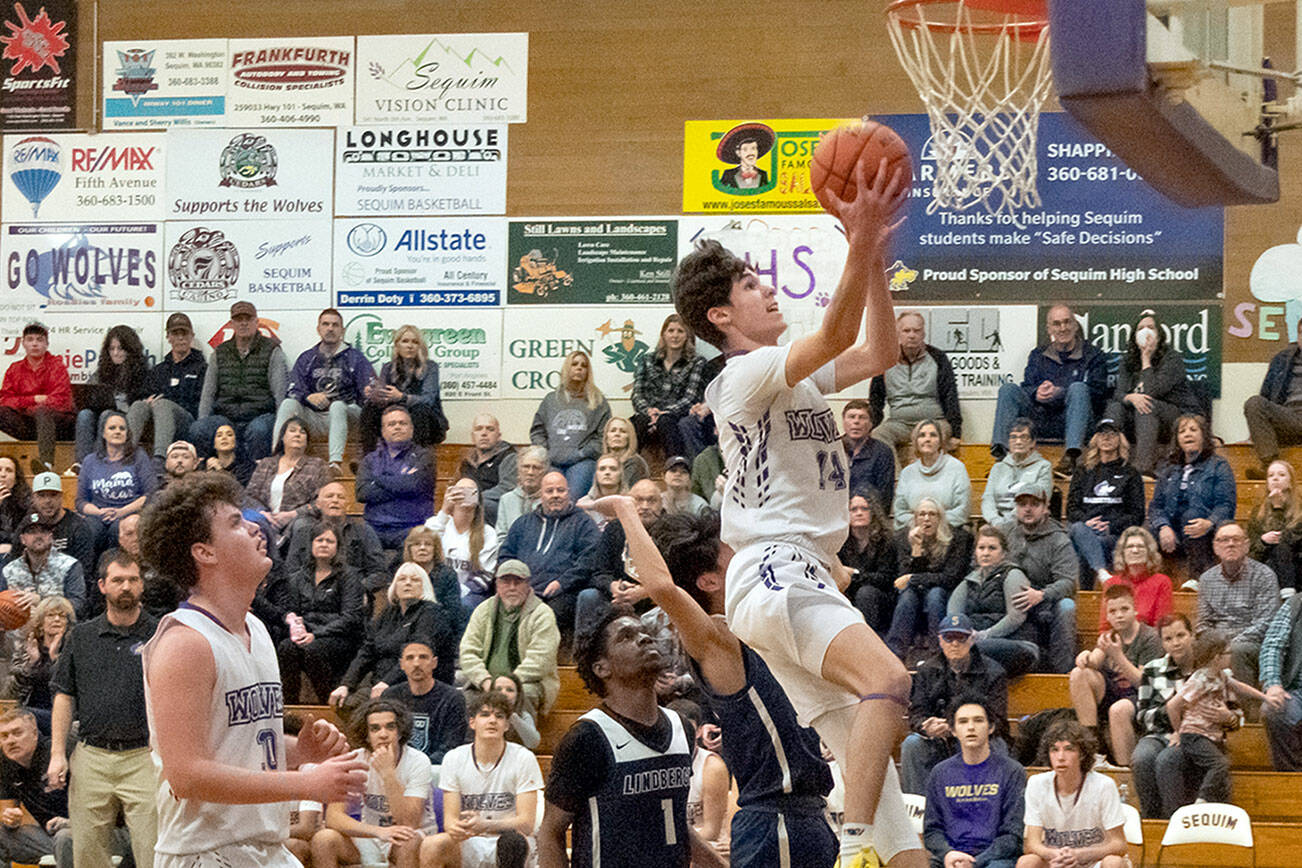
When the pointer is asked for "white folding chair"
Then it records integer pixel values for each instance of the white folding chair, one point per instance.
(1209, 823)
(917, 808)
(1133, 829)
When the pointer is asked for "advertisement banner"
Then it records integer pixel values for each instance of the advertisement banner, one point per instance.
(295, 329)
(250, 174)
(536, 340)
(77, 178)
(751, 165)
(1264, 314)
(425, 169)
(156, 83)
(38, 66)
(290, 82)
(77, 339)
(420, 262)
(460, 78)
(599, 260)
(987, 345)
(103, 267)
(274, 264)
(465, 342)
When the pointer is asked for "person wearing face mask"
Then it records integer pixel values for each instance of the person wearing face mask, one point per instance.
(1152, 390)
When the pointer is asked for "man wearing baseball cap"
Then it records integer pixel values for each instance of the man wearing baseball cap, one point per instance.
(173, 388)
(244, 384)
(679, 497)
(958, 668)
(40, 571)
(1038, 544)
(180, 459)
(72, 533)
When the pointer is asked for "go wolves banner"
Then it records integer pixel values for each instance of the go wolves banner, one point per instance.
(104, 267)
(38, 66)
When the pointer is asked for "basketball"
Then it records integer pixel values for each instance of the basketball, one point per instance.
(12, 613)
(840, 151)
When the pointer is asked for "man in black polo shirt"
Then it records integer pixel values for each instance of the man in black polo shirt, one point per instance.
(22, 785)
(100, 676)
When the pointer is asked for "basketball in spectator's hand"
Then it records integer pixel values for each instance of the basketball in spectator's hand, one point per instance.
(839, 152)
(13, 611)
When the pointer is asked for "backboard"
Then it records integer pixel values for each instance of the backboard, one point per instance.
(1180, 90)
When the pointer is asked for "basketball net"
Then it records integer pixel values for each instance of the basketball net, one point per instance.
(983, 77)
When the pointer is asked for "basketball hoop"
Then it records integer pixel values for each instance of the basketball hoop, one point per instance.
(982, 70)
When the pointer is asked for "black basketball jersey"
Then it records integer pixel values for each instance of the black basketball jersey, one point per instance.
(638, 817)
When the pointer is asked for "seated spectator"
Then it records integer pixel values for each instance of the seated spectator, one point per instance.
(35, 815)
(423, 548)
(491, 788)
(1193, 495)
(523, 728)
(958, 669)
(678, 495)
(872, 462)
(360, 546)
(1238, 597)
(933, 474)
(438, 710)
(1022, 464)
(1062, 390)
(1105, 497)
(227, 456)
(530, 468)
(15, 503)
(413, 615)
(666, 385)
(1111, 670)
(869, 551)
(570, 422)
(40, 571)
(1135, 561)
(604, 568)
(618, 438)
(490, 462)
(411, 379)
(514, 634)
(1152, 391)
(33, 664)
(1274, 416)
(920, 387)
(172, 390)
(72, 533)
(1275, 527)
(323, 604)
(160, 595)
(988, 598)
(708, 478)
(118, 382)
(388, 827)
(1140, 728)
(933, 558)
(1073, 814)
(707, 798)
(1039, 545)
(325, 387)
(181, 458)
(469, 545)
(552, 540)
(244, 384)
(396, 481)
(976, 799)
(36, 397)
(1194, 766)
(115, 480)
(1281, 680)
(609, 480)
(284, 485)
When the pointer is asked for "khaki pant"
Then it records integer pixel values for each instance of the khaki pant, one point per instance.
(101, 781)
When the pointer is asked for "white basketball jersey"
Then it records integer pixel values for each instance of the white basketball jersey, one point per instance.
(245, 730)
(787, 474)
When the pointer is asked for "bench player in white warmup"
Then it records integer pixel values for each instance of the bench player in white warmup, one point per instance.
(213, 695)
(786, 504)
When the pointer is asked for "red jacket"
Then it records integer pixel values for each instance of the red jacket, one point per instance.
(23, 383)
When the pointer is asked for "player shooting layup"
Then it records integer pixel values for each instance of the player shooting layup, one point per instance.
(213, 696)
(786, 505)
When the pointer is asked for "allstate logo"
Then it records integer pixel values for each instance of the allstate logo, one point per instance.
(203, 266)
(248, 161)
(366, 239)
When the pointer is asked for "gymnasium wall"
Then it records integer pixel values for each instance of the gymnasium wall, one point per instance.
(611, 83)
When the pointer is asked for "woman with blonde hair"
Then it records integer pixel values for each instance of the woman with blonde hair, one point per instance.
(1135, 563)
(667, 383)
(934, 474)
(933, 558)
(609, 480)
(1275, 528)
(619, 438)
(1105, 497)
(570, 420)
(469, 545)
(409, 378)
(50, 623)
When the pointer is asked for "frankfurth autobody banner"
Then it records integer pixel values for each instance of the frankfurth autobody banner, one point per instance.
(290, 82)
(156, 83)
(77, 178)
(272, 263)
(103, 268)
(251, 174)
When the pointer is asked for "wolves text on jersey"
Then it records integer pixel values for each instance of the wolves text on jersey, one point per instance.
(809, 424)
(261, 701)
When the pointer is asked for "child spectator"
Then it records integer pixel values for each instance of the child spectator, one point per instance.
(1275, 528)
(523, 726)
(1112, 669)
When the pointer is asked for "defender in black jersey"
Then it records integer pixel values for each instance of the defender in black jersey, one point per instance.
(621, 774)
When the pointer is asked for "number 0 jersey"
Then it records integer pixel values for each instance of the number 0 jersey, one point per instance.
(786, 468)
(245, 730)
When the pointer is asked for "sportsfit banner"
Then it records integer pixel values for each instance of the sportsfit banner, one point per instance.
(38, 65)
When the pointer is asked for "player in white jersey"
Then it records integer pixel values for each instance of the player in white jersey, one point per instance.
(786, 503)
(213, 693)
